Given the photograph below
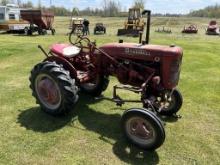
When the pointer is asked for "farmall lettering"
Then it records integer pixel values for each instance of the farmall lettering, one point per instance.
(132, 51)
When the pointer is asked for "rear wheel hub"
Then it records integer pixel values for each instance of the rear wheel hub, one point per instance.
(48, 91)
(140, 130)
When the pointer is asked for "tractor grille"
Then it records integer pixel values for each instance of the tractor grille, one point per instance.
(175, 69)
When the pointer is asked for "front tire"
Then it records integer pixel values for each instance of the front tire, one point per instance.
(55, 91)
(143, 128)
(95, 88)
(174, 104)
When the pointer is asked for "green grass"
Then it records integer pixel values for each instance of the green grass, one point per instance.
(93, 136)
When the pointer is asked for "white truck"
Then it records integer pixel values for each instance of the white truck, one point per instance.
(10, 19)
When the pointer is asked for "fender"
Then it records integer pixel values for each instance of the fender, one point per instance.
(66, 64)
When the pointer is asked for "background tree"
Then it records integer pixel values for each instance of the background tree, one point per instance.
(111, 8)
(139, 4)
(210, 11)
(4, 2)
(19, 2)
(75, 11)
(28, 4)
(39, 6)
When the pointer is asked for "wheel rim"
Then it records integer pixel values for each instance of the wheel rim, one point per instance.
(91, 85)
(140, 131)
(169, 102)
(25, 30)
(48, 91)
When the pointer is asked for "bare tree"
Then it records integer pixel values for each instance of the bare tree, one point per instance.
(39, 4)
(139, 4)
(5, 2)
(75, 11)
(28, 4)
(111, 8)
(19, 2)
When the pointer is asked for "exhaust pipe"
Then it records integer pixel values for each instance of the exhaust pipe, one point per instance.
(148, 12)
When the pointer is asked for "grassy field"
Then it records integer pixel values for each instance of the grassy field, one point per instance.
(93, 136)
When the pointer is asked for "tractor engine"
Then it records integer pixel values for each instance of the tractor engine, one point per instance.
(131, 73)
(139, 62)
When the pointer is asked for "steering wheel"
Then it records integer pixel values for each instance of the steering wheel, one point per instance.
(79, 40)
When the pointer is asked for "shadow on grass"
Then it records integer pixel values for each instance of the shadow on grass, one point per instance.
(169, 119)
(107, 125)
(24, 35)
(35, 119)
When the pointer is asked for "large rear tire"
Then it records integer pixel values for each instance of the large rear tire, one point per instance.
(96, 87)
(143, 128)
(55, 91)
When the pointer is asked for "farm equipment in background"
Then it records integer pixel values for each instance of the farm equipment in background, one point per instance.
(134, 25)
(213, 28)
(150, 70)
(164, 30)
(40, 21)
(99, 28)
(190, 29)
(76, 26)
(10, 19)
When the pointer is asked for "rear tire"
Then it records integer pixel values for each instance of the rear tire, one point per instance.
(55, 91)
(26, 31)
(30, 32)
(53, 32)
(143, 128)
(97, 87)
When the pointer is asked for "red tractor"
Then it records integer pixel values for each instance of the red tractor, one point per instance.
(213, 28)
(151, 70)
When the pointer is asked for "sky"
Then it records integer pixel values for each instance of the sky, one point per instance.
(157, 6)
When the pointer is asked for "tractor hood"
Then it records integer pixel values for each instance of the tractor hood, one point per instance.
(142, 52)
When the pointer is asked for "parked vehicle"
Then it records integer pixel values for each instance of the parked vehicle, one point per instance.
(151, 70)
(10, 19)
(39, 21)
(134, 24)
(76, 26)
(99, 28)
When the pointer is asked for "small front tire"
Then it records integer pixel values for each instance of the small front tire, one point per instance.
(143, 128)
(174, 104)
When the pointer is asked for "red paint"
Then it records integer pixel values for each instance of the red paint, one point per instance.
(167, 57)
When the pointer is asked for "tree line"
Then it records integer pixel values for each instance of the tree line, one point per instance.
(109, 8)
(210, 11)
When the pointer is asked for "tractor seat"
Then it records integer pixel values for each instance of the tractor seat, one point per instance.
(65, 50)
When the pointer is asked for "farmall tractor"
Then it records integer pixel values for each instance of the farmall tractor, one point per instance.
(151, 70)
